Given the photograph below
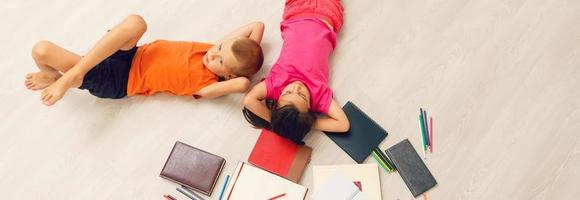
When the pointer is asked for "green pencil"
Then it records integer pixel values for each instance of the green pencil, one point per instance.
(378, 154)
(379, 161)
(422, 135)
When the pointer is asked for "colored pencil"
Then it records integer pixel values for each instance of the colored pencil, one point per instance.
(426, 128)
(431, 132)
(192, 192)
(422, 138)
(224, 187)
(384, 158)
(185, 193)
(379, 162)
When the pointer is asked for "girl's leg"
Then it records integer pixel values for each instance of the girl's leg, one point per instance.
(51, 60)
(123, 36)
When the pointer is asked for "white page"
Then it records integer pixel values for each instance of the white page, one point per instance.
(255, 183)
(367, 174)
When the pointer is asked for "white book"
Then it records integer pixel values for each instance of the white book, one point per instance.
(250, 182)
(343, 181)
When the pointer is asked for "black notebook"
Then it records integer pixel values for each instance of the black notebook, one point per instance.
(364, 134)
(411, 168)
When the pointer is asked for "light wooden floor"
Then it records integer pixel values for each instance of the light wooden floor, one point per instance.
(500, 78)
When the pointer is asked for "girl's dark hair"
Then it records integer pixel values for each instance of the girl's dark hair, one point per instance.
(286, 121)
(290, 123)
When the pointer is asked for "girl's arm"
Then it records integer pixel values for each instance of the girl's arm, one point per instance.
(239, 84)
(335, 122)
(254, 101)
(253, 31)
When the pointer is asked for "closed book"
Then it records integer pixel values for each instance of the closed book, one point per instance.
(410, 166)
(193, 168)
(364, 134)
(280, 156)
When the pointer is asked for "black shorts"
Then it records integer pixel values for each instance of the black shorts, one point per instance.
(108, 79)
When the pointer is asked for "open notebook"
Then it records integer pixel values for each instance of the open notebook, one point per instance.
(365, 177)
(250, 182)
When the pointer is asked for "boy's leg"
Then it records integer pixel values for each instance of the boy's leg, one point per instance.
(51, 60)
(123, 36)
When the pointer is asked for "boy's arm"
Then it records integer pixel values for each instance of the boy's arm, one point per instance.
(335, 122)
(239, 84)
(254, 101)
(253, 31)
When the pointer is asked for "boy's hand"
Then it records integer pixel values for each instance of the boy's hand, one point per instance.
(253, 31)
(239, 84)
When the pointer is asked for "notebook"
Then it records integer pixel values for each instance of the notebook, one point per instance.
(338, 187)
(250, 182)
(192, 168)
(411, 168)
(364, 134)
(280, 156)
(364, 176)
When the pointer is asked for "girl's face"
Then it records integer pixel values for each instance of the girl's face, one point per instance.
(295, 93)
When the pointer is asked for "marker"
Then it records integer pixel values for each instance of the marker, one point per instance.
(224, 187)
(275, 197)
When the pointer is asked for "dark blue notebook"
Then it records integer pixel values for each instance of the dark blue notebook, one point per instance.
(364, 134)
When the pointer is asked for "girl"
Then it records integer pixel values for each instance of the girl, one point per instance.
(298, 82)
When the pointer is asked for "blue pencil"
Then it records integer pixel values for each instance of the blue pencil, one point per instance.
(224, 187)
(428, 141)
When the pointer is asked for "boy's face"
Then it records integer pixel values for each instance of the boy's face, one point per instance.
(220, 59)
(295, 93)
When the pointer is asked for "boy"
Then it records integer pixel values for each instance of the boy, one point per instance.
(298, 81)
(115, 67)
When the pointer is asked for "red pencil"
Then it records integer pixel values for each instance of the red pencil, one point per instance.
(281, 195)
(431, 134)
(169, 197)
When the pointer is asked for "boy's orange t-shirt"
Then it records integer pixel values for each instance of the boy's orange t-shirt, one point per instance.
(169, 66)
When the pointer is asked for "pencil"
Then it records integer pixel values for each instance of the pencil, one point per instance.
(224, 187)
(192, 193)
(428, 141)
(379, 162)
(384, 158)
(431, 132)
(185, 193)
(422, 138)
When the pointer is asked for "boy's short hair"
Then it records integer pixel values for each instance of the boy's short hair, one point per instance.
(287, 121)
(249, 54)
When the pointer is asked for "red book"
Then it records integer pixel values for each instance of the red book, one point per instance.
(280, 156)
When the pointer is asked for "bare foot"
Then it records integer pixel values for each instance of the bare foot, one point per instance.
(40, 80)
(56, 91)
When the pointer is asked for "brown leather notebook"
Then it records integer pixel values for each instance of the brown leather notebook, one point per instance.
(193, 168)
